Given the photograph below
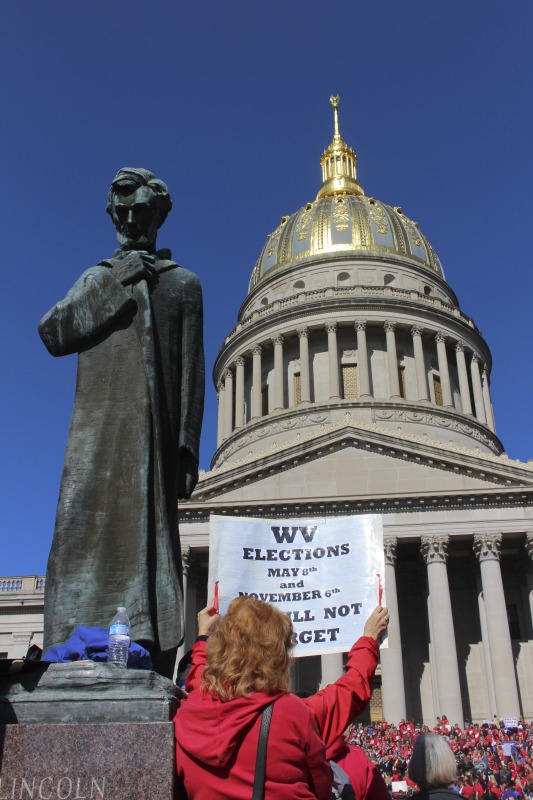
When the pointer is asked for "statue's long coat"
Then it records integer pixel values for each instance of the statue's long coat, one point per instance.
(138, 411)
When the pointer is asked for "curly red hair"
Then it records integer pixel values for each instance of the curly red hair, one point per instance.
(250, 651)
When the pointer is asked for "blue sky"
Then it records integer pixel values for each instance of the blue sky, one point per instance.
(228, 102)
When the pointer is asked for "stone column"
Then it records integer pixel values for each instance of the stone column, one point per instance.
(391, 656)
(239, 392)
(256, 381)
(362, 360)
(305, 382)
(277, 341)
(446, 387)
(434, 550)
(421, 373)
(486, 399)
(486, 649)
(487, 550)
(332, 668)
(478, 391)
(190, 568)
(392, 358)
(333, 357)
(228, 403)
(464, 386)
(221, 414)
(529, 550)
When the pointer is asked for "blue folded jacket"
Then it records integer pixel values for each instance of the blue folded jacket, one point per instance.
(91, 643)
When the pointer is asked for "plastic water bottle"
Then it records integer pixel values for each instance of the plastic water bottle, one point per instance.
(119, 639)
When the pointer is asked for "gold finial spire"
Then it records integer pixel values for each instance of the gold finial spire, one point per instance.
(338, 162)
(334, 100)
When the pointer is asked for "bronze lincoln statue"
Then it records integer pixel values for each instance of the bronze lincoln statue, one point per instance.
(135, 321)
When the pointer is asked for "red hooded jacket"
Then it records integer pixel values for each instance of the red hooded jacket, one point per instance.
(365, 777)
(216, 749)
(333, 707)
(234, 726)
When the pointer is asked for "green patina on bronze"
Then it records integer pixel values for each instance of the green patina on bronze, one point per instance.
(136, 322)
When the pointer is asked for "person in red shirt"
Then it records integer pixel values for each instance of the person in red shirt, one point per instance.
(217, 728)
(336, 706)
(467, 789)
(365, 777)
(226, 770)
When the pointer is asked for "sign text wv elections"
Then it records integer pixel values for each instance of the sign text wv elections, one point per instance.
(324, 574)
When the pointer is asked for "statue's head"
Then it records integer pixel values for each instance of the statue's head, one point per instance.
(138, 204)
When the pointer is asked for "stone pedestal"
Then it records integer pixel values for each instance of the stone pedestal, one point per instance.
(119, 761)
(87, 731)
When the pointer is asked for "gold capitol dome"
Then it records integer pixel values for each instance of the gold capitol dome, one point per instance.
(343, 221)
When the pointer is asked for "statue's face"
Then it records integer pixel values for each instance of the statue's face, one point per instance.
(134, 216)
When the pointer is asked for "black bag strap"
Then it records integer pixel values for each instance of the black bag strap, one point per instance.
(260, 763)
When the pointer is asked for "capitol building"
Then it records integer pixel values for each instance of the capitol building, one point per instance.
(353, 383)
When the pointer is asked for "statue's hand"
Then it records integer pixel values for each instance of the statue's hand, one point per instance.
(188, 475)
(132, 267)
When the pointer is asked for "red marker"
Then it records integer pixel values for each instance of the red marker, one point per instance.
(214, 608)
(380, 588)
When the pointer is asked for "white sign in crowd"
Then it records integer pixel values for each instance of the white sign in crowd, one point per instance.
(327, 574)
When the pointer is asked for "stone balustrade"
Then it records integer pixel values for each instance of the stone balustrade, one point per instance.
(27, 584)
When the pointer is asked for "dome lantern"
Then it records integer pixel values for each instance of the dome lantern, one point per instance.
(339, 163)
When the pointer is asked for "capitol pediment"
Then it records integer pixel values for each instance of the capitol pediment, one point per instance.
(348, 462)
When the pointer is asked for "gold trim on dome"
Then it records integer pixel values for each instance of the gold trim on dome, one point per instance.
(273, 241)
(342, 219)
(318, 224)
(341, 216)
(303, 223)
(377, 212)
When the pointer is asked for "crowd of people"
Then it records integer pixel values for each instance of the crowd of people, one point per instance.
(494, 762)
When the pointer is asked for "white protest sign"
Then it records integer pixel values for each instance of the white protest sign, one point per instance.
(399, 786)
(326, 574)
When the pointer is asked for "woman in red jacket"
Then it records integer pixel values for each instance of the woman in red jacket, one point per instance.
(217, 726)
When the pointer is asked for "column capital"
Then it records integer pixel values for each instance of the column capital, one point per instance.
(257, 350)
(475, 358)
(529, 545)
(417, 330)
(191, 564)
(277, 339)
(485, 371)
(303, 332)
(460, 346)
(440, 337)
(228, 374)
(390, 544)
(239, 362)
(331, 327)
(220, 386)
(360, 325)
(434, 549)
(389, 325)
(487, 546)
